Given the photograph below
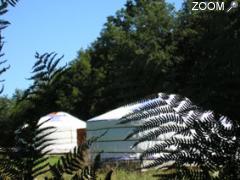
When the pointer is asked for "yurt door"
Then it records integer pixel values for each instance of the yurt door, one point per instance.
(81, 136)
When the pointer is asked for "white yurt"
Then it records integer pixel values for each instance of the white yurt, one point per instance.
(69, 132)
(112, 144)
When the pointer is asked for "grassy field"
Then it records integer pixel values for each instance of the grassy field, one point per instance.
(53, 159)
(119, 173)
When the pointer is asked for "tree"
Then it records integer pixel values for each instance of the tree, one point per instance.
(147, 47)
(135, 46)
(75, 88)
(209, 73)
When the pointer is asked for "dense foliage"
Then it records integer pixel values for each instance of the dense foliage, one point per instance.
(209, 74)
(27, 158)
(136, 46)
(148, 47)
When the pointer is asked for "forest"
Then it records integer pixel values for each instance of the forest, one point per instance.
(147, 47)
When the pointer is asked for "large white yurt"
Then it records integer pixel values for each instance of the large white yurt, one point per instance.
(112, 145)
(69, 131)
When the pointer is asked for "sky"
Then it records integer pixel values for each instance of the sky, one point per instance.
(42, 26)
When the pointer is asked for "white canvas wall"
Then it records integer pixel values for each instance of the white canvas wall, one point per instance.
(65, 134)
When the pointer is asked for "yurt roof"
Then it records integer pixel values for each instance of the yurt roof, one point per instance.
(62, 119)
(116, 113)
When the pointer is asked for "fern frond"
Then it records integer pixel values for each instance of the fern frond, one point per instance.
(47, 57)
(148, 113)
(156, 122)
(38, 62)
(39, 68)
(12, 2)
(40, 169)
(39, 75)
(153, 135)
(45, 74)
(49, 63)
(3, 9)
(174, 100)
(71, 163)
(185, 106)
(199, 138)
(54, 65)
(57, 74)
(151, 104)
(28, 157)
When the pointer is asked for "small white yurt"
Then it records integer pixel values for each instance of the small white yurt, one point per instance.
(112, 144)
(69, 132)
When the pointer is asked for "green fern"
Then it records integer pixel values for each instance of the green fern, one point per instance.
(76, 167)
(76, 164)
(3, 25)
(45, 74)
(202, 143)
(11, 2)
(72, 163)
(3, 10)
(28, 158)
(2, 70)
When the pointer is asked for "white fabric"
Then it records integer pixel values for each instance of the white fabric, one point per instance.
(65, 134)
(63, 121)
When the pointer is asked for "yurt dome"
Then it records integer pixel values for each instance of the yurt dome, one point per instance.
(166, 119)
(69, 132)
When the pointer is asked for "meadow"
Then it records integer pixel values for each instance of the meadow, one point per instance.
(119, 172)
